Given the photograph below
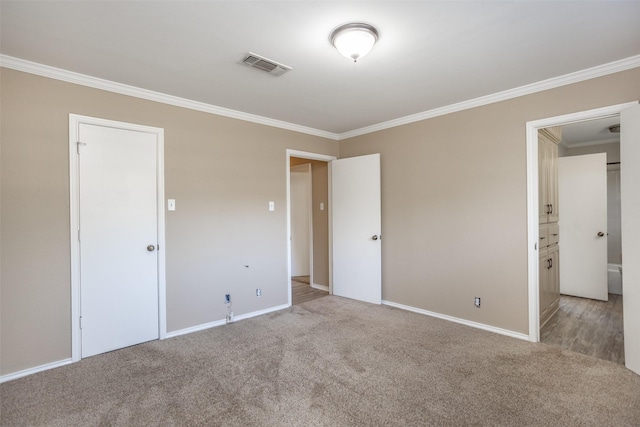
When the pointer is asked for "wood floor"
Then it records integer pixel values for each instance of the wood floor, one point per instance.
(587, 326)
(301, 291)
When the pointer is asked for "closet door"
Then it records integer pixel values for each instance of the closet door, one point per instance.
(553, 287)
(543, 167)
(543, 279)
(552, 182)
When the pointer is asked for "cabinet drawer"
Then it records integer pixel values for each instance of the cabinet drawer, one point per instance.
(543, 236)
(554, 234)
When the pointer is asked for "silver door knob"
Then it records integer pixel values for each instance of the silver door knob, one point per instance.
(374, 237)
(151, 248)
(600, 234)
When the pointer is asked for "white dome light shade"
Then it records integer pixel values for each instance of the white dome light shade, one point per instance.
(354, 40)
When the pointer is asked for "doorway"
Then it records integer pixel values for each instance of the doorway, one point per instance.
(305, 226)
(629, 113)
(117, 235)
(589, 318)
(308, 218)
(354, 225)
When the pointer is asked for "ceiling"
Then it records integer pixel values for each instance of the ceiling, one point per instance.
(429, 54)
(591, 132)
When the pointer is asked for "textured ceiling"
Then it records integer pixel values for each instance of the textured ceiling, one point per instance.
(429, 55)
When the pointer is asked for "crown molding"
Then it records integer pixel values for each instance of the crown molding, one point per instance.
(590, 143)
(552, 83)
(97, 83)
(102, 84)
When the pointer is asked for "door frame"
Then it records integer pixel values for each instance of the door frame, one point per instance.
(75, 121)
(532, 128)
(289, 153)
(309, 190)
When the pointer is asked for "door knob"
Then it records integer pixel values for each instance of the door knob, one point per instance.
(374, 237)
(151, 248)
(600, 234)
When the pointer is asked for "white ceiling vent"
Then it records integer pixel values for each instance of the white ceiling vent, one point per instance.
(264, 64)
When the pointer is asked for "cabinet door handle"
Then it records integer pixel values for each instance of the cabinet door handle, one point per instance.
(551, 207)
(550, 262)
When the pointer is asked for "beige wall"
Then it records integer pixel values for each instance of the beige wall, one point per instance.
(222, 173)
(453, 207)
(612, 150)
(320, 194)
(454, 216)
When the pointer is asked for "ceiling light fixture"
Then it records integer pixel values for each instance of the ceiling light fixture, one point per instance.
(354, 40)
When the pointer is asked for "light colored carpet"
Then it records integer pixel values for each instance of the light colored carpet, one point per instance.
(330, 362)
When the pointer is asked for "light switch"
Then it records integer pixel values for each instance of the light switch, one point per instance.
(321, 206)
(272, 206)
(171, 204)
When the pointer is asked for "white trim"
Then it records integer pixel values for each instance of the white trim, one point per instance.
(310, 207)
(261, 312)
(320, 287)
(35, 370)
(97, 83)
(162, 244)
(74, 124)
(223, 322)
(306, 168)
(596, 142)
(289, 153)
(476, 325)
(532, 198)
(123, 89)
(554, 82)
(196, 328)
(30, 371)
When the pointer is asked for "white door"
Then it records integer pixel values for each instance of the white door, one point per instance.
(356, 228)
(582, 192)
(300, 219)
(118, 238)
(630, 212)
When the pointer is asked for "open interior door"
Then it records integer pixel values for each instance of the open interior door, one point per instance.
(356, 228)
(582, 192)
(630, 211)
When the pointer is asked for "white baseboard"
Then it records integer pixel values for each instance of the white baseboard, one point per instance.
(320, 287)
(223, 322)
(461, 321)
(30, 371)
(194, 329)
(261, 312)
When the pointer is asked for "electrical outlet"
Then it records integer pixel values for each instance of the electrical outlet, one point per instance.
(227, 298)
(477, 302)
(258, 292)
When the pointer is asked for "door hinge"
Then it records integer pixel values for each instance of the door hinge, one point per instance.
(78, 144)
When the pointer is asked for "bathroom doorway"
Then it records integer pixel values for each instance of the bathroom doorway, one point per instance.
(630, 212)
(584, 323)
